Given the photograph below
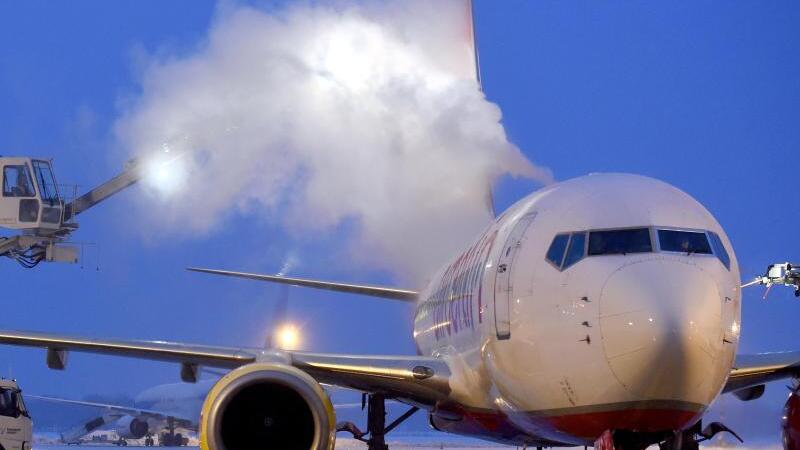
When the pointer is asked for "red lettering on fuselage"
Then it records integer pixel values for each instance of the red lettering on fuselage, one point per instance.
(451, 304)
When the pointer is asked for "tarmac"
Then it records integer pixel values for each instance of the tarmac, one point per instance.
(350, 444)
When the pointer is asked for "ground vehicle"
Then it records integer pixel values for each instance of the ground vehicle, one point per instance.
(15, 422)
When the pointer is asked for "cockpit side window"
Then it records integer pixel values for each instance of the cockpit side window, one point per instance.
(689, 242)
(17, 181)
(577, 249)
(719, 250)
(620, 242)
(557, 249)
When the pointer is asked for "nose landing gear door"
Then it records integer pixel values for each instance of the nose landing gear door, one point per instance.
(503, 288)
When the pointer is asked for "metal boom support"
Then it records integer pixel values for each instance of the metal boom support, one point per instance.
(130, 176)
(786, 274)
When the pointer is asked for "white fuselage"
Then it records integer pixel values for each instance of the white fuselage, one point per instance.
(638, 341)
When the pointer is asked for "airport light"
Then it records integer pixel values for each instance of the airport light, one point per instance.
(287, 337)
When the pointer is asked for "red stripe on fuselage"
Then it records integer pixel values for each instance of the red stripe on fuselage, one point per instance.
(592, 425)
(580, 428)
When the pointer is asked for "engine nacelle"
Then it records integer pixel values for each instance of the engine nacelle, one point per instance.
(129, 427)
(264, 405)
(791, 422)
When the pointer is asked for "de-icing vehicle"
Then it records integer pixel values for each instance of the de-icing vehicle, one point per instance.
(37, 213)
(15, 422)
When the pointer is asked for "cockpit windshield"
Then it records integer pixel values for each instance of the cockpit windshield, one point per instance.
(620, 242)
(46, 181)
(688, 242)
(567, 249)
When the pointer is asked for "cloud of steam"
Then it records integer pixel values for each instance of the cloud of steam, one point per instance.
(365, 113)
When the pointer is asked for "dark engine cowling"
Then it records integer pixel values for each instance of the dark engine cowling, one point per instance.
(791, 421)
(129, 427)
(267, 406)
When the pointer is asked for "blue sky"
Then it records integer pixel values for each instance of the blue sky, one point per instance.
(704, 97)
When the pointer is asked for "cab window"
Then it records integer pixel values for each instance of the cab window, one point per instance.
(556, 252)
(688, 242)
(620, 242)
(719, 250)
(8, 403)
(46, 181)
(17, 181)
(21, 405)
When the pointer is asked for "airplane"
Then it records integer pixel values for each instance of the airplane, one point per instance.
(603, 310)
(171, 408)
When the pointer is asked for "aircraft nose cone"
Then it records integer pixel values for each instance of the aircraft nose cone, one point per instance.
(662, 331)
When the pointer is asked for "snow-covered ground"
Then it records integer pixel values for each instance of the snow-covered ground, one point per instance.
(417, 441)
(343, 444)
(349, 444)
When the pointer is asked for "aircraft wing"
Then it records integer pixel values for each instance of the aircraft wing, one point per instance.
(413, 379)
(199, 355)
(750, 371)
(119, 411)
(392, 293)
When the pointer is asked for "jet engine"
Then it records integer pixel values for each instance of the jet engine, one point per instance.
(129, 427)
(264, 405)
(791, 421)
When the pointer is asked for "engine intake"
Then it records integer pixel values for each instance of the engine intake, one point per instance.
(129, 427)
(267, 406)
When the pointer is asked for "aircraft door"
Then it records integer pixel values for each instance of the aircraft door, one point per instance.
(503, 288)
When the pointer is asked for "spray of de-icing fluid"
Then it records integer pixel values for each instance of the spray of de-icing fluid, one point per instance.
(366, 112)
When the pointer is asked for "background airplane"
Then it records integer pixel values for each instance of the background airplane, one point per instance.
(167, 411)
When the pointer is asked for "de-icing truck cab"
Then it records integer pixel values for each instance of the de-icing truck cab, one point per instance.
(16, 426)
(30, 198)
(40, 219)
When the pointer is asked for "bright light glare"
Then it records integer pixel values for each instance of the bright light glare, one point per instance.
(287, 337)
(166, 176)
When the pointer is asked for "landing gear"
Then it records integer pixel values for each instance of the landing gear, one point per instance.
(170, 438)
(376, 422)
(149, 441)
(121, 443)
(625, 440)
(691, 438)
(688, 439)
